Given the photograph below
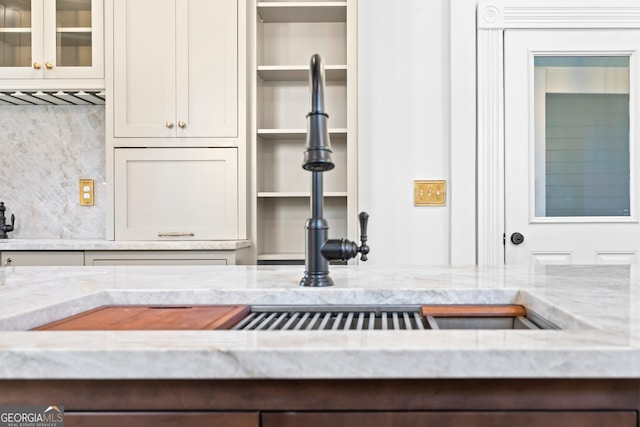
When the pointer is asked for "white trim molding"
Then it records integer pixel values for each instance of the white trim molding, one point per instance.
(493, 18)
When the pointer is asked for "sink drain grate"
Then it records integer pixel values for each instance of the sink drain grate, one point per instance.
(268, 318)
(355, 318)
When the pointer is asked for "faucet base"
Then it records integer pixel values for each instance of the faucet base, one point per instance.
(316, 280)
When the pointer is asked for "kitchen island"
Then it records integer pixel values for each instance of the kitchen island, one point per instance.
(586, 373)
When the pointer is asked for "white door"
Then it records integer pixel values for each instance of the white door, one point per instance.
(571, 143)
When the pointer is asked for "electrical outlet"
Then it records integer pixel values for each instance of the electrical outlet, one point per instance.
(430, 193)
(86, 192)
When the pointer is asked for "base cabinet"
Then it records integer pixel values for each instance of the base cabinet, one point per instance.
(161, 419)
(337, 403)
(354, 419)
(123, 257)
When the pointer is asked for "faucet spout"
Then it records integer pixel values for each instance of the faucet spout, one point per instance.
(319, 249)
(318, 154)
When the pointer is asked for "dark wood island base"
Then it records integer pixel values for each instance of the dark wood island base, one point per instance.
(335, 403)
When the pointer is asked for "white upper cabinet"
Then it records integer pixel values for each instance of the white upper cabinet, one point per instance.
(46, 40)
(176, 70)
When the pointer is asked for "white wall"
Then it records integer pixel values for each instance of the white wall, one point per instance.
(404, 87)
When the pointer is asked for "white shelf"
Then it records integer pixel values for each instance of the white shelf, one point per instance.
(285, 194)
(303, 11)
(299, 72)
(281, 222)
(284, 105)
(275, 134)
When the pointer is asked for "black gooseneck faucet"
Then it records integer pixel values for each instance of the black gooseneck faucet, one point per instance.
(319, 249)
(4, 227)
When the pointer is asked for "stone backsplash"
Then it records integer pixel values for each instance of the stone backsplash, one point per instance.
(44, 151)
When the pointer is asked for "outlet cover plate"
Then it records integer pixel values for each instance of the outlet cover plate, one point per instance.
(430, 193)
(86, 192)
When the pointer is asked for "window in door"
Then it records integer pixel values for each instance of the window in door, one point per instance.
(582, 128)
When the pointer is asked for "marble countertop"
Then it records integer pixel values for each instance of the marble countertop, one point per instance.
(119, 245)
(598, 308)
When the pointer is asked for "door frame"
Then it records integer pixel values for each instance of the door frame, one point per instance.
(493, 17)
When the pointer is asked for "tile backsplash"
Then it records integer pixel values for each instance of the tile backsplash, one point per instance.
(44, 151)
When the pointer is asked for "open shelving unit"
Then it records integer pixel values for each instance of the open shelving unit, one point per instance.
(287, 34)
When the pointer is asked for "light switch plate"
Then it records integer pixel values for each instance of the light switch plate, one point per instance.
(430, 193)
(86, 192)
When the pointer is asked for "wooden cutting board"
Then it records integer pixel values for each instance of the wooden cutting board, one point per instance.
(478, 310)
(147, 318)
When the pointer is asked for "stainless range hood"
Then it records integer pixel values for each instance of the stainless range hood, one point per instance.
(52, 97)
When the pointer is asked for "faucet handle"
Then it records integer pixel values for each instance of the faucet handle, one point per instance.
(343, 249)
(364, 248)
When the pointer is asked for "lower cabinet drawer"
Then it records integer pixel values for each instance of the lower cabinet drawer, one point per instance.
(159, 258)
(176, 193)
(164, 419)
(452, 419)
(41, 258)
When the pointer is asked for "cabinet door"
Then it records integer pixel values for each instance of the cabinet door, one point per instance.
(73, 39)
(52, 39)
(144, 88)
(207, 74)
(176, 68)
(21, 39)
(452, 419)
(41, 258)
(176, 194)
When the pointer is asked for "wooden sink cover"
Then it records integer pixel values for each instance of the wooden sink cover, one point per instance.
(140, 317)
(478, 310)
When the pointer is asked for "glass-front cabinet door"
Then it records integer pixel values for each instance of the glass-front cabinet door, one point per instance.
(17, 36)
(51, 39)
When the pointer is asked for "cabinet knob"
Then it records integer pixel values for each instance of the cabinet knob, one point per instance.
(8, 261)
(182, 124)
(169, 124)
(36, 66)
(48, 65)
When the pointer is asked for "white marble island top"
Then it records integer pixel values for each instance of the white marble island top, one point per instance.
(598, 308)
